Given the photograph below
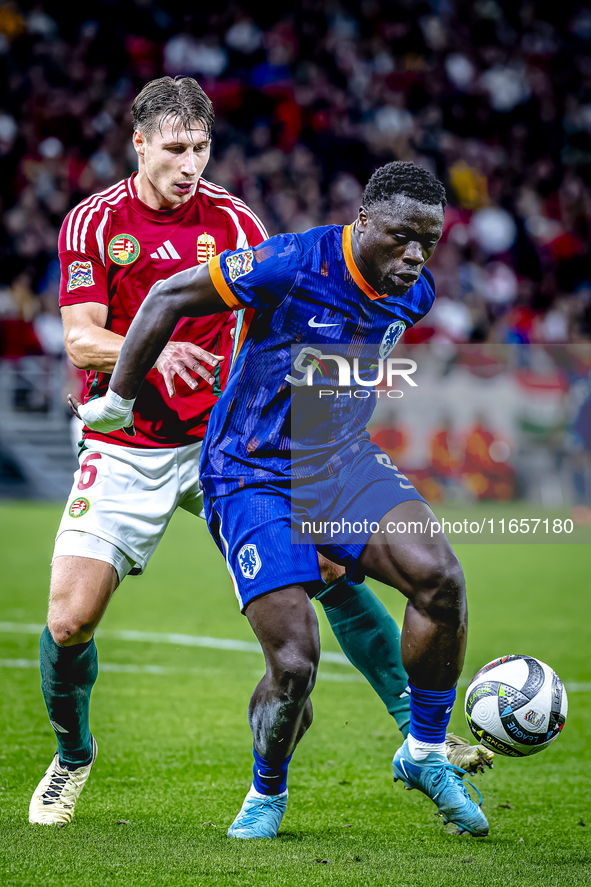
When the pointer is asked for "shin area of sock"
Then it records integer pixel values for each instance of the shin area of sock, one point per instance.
(268, 778)
(430, 713)
(370, 639)
(68, 675)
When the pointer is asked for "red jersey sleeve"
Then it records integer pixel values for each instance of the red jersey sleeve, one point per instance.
(83, 274)
(253, 228)
(247, 228)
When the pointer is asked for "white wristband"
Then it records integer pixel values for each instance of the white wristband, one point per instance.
(108, 413)
(118, 403)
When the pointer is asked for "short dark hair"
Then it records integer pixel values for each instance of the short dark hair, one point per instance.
(403, 178)
(180, 98)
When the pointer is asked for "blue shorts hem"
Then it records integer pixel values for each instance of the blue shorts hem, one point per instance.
(299, 580)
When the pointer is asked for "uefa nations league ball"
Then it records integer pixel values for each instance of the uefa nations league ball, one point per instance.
(516, 705)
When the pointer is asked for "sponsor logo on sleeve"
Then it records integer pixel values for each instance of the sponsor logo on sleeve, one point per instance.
(124, 249)
(240, 264)
(79, 507)
(79, 274)
(206, 248)
(249, 561)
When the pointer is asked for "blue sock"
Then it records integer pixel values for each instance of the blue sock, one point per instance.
(269, 779)
(67, 678)
(430, 713)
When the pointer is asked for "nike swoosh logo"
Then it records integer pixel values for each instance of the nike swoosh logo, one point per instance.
(262, 775)
(313, 324)
(447, 710)
(404, 768)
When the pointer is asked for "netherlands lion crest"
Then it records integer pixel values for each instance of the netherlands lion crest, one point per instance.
(249, 561)
(391, 337)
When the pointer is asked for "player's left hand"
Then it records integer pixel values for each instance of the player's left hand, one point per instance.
(182, 359)
(105, 414)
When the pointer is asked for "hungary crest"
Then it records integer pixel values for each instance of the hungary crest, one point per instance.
(124, 249)
(205, 248)
(79, 507)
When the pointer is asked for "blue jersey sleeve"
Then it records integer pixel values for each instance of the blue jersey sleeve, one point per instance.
(259, 277)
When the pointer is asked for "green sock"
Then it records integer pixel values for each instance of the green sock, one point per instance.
(67, 677)
(370, 639)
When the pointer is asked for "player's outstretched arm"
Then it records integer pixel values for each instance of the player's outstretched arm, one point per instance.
(189, 293)
(90, 346)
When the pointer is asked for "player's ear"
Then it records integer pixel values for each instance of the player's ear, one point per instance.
(362, 217)
(139, 141)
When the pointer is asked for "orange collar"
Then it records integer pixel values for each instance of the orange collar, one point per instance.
(352, 267)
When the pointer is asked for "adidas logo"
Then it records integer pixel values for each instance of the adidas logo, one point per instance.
(57, 727)
(166, 251)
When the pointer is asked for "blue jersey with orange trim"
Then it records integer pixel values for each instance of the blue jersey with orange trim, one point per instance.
(304, 298)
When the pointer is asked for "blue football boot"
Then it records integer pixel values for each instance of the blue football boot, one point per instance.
(441, 782)
(260, 816)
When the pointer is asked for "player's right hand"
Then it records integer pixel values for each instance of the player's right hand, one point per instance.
(104, 414)
(182, 359)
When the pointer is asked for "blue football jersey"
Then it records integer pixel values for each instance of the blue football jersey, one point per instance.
(304, 300)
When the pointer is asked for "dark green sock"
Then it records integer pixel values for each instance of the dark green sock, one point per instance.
(67, 677)
(370, 639)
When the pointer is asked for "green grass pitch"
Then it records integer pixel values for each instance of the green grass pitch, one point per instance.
(174, 746)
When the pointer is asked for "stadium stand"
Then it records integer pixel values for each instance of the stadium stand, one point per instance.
(493, 96)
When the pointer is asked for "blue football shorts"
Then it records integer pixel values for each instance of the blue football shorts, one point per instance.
(270, 534)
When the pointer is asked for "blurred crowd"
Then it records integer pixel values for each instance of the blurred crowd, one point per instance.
(476, 462)
(493, 96)
(494, 422)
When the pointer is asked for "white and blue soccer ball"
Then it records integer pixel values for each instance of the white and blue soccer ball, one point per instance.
(516, 705)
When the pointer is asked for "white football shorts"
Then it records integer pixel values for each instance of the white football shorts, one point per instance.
(122, 500)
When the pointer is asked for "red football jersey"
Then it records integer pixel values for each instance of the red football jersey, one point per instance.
(112, 249)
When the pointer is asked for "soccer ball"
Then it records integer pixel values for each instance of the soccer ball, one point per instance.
(516, 705)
